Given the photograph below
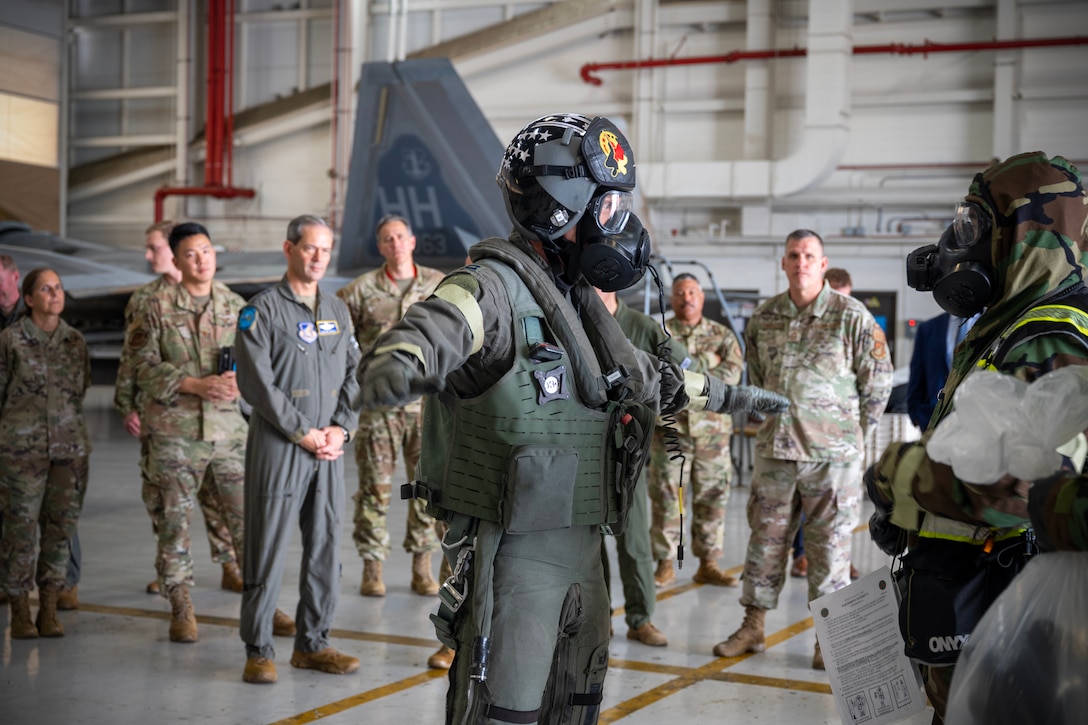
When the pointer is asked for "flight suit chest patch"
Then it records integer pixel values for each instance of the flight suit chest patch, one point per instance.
(328, 327)
(552, 384)
(307, 332)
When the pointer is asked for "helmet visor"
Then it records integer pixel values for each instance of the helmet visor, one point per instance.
(611, 210)
(970, 226)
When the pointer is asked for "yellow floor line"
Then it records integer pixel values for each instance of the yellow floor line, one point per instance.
(233, 623)
(711, 670)
(780, 683)
(362, 698)
(683, 677)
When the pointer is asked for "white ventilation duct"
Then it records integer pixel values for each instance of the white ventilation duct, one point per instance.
(823, 140)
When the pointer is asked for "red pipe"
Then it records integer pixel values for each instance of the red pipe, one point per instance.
(219, 114)
(213, 175)
(228, 128)
(218, 192)
(589, 69)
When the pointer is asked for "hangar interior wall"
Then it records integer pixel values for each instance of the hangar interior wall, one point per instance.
(872, 150)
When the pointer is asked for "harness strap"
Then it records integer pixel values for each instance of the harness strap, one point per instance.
(586, 698)
(515, 716)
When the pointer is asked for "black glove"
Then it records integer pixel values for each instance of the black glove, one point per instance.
(888, 537)
(743, 398)
(386, 381)
(673, 396)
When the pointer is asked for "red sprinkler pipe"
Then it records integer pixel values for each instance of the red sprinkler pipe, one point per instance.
(219, 115)
(589, 70)
(217, 192)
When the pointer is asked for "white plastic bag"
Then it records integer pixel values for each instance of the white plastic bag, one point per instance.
(1027, 660)
(1001, 425)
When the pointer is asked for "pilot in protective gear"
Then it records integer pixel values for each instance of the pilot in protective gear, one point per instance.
(536, 424)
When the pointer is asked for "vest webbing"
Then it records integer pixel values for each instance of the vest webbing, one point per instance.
(472, 444)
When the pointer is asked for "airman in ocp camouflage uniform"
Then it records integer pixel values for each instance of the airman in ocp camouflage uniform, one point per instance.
(194, 425)
(127, 400)
(377, 300)
(11, 306)
(826, 353)
(44, 450)
(703, 437)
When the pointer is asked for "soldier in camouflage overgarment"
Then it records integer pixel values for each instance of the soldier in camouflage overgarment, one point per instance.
(826, 353)
(1017, 246)
(44, 450)
(703, 437)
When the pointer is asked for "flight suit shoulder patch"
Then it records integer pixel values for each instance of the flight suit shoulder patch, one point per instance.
(247, 317)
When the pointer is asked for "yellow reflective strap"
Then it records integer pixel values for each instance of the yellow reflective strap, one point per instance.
(413, 350)
(951, 537)
(906, 510)
(694, 384)
(939, 527)
(467, 305)
(1054, 313)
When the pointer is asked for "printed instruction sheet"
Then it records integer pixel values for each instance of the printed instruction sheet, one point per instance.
(858, 629)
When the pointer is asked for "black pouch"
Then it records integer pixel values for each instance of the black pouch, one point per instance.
(627, 441)
(945, 587)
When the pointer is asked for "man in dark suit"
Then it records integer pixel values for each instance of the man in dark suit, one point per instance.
(931, 361)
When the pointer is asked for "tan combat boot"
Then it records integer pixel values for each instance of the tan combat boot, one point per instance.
(664, 574)
(21, 626)
(182, 617)
(648, 634)
(325, 660)
(282, 625)
(372, 579)
(259, 671)
(232, 577)
(442, 659)
(68, 598)
(818, 658)
(422, 581)
(47, 623)
(749, 638)
(709, 573)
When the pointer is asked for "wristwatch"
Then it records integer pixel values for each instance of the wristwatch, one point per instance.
(347, 435)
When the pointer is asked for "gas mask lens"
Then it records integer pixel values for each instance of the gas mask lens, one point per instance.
(971, 224)
(612, 209)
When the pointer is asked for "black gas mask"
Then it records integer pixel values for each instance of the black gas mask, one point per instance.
(612, 248)
(958, 269)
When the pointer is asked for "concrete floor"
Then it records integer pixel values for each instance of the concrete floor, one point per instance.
(115, 664)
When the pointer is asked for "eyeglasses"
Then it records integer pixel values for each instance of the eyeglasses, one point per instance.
(971, 224)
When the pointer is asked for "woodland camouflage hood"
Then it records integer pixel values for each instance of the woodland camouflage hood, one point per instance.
(1038, 207)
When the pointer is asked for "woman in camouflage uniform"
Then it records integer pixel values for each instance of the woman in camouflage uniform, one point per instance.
(44, 374)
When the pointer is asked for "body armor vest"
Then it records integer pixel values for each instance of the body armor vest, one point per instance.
(529, 453)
